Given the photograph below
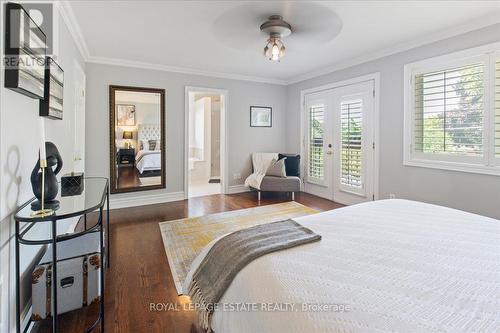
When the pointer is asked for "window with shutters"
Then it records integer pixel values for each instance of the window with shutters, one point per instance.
(316, 137)
(351, 159)
(452, 112)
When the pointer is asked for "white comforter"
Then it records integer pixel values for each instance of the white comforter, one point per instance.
(148, 160)
(400, 266)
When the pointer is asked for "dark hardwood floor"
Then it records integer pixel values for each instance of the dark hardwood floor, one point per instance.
(128, 176)
(139, 272)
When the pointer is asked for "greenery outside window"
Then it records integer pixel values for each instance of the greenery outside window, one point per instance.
(452, 111)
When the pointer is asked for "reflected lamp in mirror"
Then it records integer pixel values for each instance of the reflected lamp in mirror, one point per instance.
(128, 135)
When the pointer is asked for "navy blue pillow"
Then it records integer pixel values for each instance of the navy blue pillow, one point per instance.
(292, 164)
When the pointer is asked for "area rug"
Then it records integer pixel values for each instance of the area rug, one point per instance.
(185, 238)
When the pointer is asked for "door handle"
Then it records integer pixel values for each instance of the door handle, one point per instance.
(329, 152)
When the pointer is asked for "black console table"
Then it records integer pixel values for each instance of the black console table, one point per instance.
(93, 198)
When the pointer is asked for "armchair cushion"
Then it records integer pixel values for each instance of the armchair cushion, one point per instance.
(292, 164)
(279, 184)
(277, 168)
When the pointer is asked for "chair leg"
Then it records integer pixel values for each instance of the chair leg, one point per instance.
(293, 196)
(258, 195)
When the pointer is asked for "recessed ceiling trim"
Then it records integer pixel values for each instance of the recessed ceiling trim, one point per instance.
(431, 38)
(182, 70)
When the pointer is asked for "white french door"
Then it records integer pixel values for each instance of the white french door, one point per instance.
(318, 144)
(339, 143)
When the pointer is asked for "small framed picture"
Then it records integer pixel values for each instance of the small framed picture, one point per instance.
(261, 116)
(125, 115)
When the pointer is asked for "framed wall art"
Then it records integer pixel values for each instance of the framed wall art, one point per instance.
(125, 115)
(261, 116)
(25, 50)
(52, 104)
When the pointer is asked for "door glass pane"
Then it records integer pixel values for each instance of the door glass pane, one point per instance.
(351, 118)
(316, 137)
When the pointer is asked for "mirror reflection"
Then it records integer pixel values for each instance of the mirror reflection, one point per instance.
(138, 142)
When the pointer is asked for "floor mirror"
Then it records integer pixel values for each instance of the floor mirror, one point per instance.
(137, 138)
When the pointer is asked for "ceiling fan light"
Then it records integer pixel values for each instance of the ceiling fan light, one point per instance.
(275, 49)
(277, 28)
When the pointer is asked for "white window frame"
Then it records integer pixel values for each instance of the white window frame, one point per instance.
(487, 164)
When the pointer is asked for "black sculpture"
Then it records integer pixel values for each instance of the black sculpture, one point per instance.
(51, 186)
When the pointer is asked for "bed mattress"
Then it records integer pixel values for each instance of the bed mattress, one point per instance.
(384, 266)
(148, 160)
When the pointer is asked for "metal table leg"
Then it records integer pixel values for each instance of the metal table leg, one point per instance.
(107, 226)
(18, 291)
(102, 267)
(54, 276)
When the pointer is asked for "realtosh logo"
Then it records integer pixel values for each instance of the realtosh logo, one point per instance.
(27, 22)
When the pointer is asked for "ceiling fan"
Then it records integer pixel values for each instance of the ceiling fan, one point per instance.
(276, 28)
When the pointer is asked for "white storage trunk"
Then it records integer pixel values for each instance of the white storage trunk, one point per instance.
(78, 285)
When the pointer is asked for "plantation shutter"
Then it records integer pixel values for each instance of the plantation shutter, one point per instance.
(449, 111)
(316, 139)
(351, 167)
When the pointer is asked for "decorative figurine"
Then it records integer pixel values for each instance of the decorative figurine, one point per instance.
(44, 177)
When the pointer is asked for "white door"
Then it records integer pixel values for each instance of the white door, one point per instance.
(79, 139)
(338, 142)
(353, 166)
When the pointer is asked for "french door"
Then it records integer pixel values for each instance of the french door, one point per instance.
(339, 143)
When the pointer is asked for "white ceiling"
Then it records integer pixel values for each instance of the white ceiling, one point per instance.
(223, 37)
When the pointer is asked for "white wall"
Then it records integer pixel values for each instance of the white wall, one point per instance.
(20, 133)
(466, 191)
(242, 139)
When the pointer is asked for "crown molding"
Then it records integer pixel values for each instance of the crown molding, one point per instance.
(428, 39)
(183, 70)
(69, 18)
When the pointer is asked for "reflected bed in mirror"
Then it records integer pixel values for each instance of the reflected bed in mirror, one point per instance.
(137, 147)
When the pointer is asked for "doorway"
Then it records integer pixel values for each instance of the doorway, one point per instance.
(79, 114)
(205, 156)
(339, 136)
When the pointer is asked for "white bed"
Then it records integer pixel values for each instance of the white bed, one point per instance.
(400, 266)
(148, 160)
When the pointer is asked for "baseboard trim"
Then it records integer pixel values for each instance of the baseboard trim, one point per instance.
(237, 189)
(144, 199)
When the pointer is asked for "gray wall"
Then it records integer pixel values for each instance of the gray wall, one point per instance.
(471, 192)
(242, 139)
(20, 141)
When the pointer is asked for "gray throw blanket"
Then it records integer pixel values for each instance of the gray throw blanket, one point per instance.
(232, 253)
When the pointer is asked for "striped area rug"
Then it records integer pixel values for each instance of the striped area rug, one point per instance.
(185, 238)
